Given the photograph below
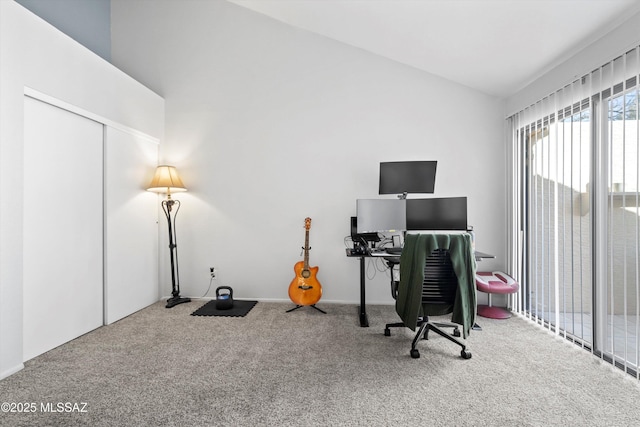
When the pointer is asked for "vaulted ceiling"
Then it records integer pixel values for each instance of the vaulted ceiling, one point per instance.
(494, 46)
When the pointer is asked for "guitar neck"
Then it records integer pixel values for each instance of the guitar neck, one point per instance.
(306, 249)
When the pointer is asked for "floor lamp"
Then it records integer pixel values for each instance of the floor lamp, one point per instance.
(166, 180)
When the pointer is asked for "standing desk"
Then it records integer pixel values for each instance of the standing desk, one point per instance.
(392, 260)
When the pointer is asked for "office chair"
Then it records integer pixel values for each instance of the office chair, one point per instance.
(438, 296)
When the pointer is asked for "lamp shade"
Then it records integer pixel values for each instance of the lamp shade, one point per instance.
(166, 180)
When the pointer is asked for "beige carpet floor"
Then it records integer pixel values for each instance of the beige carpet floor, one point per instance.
(164, 367)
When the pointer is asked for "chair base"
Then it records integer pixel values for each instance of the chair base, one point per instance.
(423, 333)
(492, 312)
(455, 332)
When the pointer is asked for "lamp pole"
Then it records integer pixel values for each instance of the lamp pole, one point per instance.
(168, 206)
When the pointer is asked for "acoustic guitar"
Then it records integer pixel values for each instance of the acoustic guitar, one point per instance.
(305, 289)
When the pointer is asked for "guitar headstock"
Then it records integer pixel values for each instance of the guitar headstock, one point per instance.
(307, 223)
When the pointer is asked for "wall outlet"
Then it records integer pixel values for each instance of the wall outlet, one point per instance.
(212, 271)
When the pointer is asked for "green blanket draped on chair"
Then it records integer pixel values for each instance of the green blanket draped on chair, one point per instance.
(412, 262)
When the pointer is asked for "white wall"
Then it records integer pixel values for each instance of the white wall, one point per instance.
(269, 124)
(35, 55)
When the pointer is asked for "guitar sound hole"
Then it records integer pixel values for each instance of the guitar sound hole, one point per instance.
(306, 274)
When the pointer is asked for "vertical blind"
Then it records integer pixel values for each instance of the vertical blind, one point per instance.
(574, 227)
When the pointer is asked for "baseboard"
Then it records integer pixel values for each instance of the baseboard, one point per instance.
(11, 371)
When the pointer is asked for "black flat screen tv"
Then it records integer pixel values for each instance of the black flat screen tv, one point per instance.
(449, 213)
(407, 177)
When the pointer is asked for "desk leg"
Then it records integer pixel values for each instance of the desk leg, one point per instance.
(364, 320)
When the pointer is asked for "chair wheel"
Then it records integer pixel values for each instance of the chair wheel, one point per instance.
(387, 332)
(465, 354)
(456, 332)
(416, 354)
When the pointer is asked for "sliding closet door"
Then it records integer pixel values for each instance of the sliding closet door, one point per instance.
(131, 224)
(63, 227)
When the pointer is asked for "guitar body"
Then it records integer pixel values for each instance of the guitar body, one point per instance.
(305, 289)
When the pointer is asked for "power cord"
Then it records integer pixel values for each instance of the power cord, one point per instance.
(209, 288)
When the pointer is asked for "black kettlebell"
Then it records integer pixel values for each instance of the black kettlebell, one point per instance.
(224, 300)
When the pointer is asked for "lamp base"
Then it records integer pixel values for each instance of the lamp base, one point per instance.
(171, 302)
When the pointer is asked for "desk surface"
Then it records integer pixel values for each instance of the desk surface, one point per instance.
(384, 254)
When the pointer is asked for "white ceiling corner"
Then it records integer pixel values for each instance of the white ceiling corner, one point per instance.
(494, 46)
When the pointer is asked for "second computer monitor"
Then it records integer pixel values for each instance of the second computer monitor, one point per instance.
(381, 215)
(449, 213)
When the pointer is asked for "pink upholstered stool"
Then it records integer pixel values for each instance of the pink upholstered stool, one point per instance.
(495, 282)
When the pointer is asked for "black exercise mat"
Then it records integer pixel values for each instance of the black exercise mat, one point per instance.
(240, 309)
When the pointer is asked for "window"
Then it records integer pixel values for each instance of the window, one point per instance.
(575, 225)
(621, 299)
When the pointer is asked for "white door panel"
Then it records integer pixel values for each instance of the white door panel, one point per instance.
(131, 215)
(63, 227)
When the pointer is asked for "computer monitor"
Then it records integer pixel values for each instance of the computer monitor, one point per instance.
(407, 177)
(381, 215)
(448, 213)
